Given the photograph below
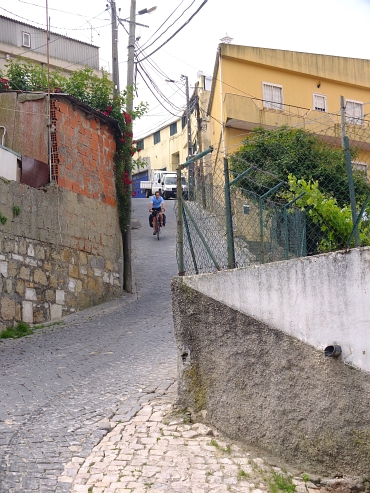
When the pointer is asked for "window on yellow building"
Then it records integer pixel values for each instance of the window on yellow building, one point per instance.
(319, 102)
(157, 137)
(354, 112)
(272, 96)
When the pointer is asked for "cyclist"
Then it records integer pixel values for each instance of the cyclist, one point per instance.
(157, 204)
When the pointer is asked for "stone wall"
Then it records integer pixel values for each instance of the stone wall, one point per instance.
(242, 368)
(62, 253)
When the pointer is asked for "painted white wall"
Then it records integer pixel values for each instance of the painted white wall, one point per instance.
(9, 165)
(321, 300)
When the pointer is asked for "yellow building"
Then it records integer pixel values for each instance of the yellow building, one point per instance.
(167, 147)
(254, 87)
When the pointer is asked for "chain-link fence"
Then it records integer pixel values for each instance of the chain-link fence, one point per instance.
(285, 193)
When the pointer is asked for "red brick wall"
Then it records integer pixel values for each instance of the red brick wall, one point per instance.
(82, 152)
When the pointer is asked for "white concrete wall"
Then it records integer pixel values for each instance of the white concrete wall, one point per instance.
(321, 300)
(9, 165)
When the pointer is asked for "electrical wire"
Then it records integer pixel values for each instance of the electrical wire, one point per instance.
(164, 32)
(176, 32)
(149, 131)
(56, 10)
(163, 23)
(56, 27)
(153, 93)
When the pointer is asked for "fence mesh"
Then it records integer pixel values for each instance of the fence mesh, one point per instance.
(289, 196)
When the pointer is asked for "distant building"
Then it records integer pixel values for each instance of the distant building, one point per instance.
(167, 146)
(67, 54)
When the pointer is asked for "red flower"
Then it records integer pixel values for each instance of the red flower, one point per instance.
(4, 83)
(134, 193)
(128, 118)
(110, 109)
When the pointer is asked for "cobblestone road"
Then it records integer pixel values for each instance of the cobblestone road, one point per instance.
(62, 386)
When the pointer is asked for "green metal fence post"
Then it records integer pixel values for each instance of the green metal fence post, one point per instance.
(347, 154)
(261, 199)
(286, 223)
(358, 219)
(180, 233)
(188, 235)
(229, 219)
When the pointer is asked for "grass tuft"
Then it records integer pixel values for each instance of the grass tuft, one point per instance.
(20, 330)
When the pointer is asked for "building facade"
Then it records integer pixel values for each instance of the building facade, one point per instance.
(167, 147)
(18, 39)
(254, 87)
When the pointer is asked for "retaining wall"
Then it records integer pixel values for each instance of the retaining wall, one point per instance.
(63, 252)
(250, 354)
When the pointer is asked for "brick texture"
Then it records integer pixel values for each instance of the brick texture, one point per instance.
(82, 152)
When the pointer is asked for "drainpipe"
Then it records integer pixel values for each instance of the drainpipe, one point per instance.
(3, 137)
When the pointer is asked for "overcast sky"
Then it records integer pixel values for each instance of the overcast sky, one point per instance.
(331, 27)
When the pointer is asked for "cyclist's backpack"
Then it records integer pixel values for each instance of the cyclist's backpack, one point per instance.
(151, 220)
(164, 219)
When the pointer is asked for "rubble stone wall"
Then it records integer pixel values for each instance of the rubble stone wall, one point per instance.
(63, 252)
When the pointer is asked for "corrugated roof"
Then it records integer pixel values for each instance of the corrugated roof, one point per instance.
(43, 30)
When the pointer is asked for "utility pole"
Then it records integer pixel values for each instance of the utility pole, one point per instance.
(126, 236)
(115, 71)
(190, 145)
(200, 146)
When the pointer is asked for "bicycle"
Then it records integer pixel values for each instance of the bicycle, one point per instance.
(157, 223)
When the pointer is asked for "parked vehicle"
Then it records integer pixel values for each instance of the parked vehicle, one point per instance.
(155, 183)
(163, 182)
(169, 186)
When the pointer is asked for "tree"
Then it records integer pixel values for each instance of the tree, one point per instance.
(284, 151)
(311, 166)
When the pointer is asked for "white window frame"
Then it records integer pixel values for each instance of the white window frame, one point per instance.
(315, 94)
(273, 105)
(26, 37)
(351, 119)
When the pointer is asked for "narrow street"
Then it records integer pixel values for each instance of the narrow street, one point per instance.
(61, 385)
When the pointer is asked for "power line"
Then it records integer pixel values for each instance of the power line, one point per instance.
(150, 130)
(56, 27)
(176, 32)
(56, 10)
(164, 32)
(151, 90)
(182, 1)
